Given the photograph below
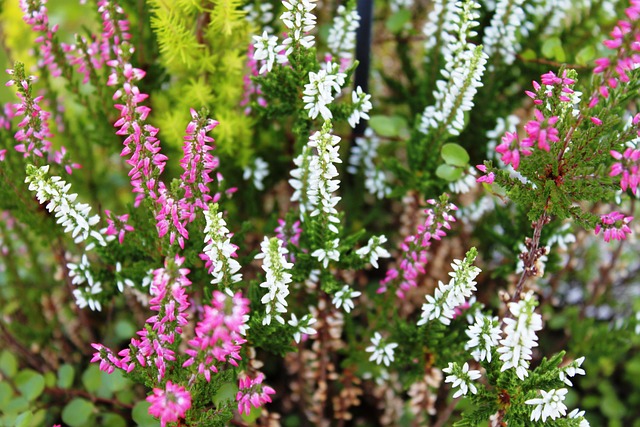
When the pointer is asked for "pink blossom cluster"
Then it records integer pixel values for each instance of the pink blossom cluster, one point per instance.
(5, 123)
(219, 334)
(625, 40)
(117, 225)
(157, 340)
(115, 28)
(85, 55)
(615, 226)
(628, 166)
(169, 404)
(415, 248)
(35, 14)
(289, 234)
(252, 393)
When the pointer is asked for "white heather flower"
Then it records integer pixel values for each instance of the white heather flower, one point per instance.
(258, 171)
(550, 405)
(577, 413)
(300, 181)
(483, 335)
(322, 170)
(501, 36)
(120, 280)
(361, 106)
(303, 326)
(571, 370)
(300, 21)
(520, 335)
(462, 378)
(380, 350)
(260, 16)
(324, 255)
(342, 35)
(397, 5)
(80, 274)
(319, 92)
(364, 152)
(344, 298)
(465, 183)
(219, 251)
(440, 25)
(277, 278)
(266, 50)
(74, 217)
(447, 297)
(374, 250)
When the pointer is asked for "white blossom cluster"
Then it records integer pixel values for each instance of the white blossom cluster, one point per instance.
(322, 171)
(571, 370)
(299, 19)
(300, 181)
(364, 152)
(122, 281)
(397, 5)
(319, 92)
(454, 96)
(74, 217)
(465, 183)
(381, 351)
(266, 50)
(440, 26)
(327, 253)
(302, 326)
(260, 15)
(501, 36)
(257, 173)
(277, 278)
(484, 334)
(219, 250)
(344, 298)
(374, 250)
(447, 297)
(520, 335)
(80, 274)
(551, 14)
(361, 106)
(342, 34)
(549, 405)
(461, 377)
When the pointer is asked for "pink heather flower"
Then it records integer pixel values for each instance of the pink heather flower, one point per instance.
(541, 131)
(615, 225)
(218, 337)
(415, 248)
(596, 121)
(628, 167)
(117, 225)
(511, 148)
(61, 158)
(35, 15)
(252, 393)
(488, 178)
(3, 152)
(170, 404)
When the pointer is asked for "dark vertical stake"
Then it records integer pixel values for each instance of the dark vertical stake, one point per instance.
(363, 53)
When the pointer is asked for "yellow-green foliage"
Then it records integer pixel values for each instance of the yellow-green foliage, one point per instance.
(204, 49)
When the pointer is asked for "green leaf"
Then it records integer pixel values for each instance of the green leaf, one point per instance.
(24, 419)
(30, 383)
(92, 378)
(65, 376)
(6, 393)
(228, 391)
(586, 55)
(549, 46)
(141, 416)
(455, 155)
(398, 20)
(389, 127)
(124, 329)
(254, 414)
(77, 412)
(528, 55)
(8, 363)
(449, 173)
(113, 420)
(17, 404)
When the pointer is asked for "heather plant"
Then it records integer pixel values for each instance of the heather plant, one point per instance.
(288, 237)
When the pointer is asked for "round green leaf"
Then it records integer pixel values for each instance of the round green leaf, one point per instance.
(586, 55)
(25, 419)
(65, 376)
(92, 379)
(6, 393)
(124, 329)
(228, 391)
(77, 412)
(449, 173)
(113, 420)
(141, 416)
(8, 363)
(385, 126)
(398, 20)
(17, 404)
(549, 46)
(30, 383)
(455, 155)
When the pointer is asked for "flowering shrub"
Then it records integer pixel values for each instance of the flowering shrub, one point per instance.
(288, 237)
